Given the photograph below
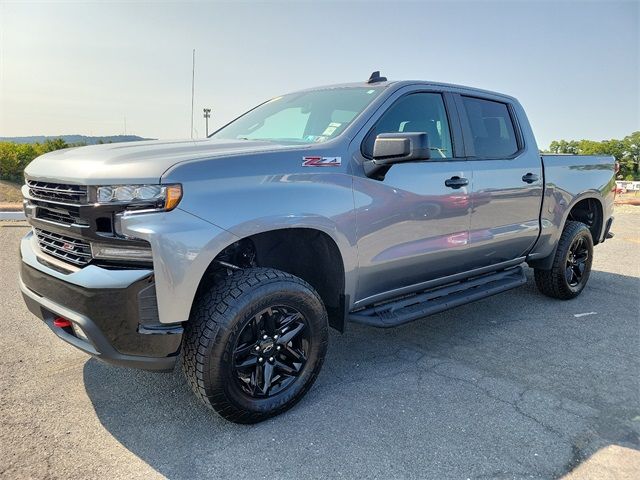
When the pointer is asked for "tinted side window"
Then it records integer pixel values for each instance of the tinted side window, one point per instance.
(417, 112)
(491, 128)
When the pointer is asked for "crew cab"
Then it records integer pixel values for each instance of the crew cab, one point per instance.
(379, 202)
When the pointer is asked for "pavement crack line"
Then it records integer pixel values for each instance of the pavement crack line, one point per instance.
(515, 405)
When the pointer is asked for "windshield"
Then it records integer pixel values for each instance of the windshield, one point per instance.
(305, 117)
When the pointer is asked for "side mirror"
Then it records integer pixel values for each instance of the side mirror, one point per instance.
(392, 148)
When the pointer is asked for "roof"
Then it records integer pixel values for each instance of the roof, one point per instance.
(404, 83)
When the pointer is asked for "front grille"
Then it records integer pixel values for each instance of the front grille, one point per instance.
(59, 203)
(57, 192)
(56, 216)
(65, 248)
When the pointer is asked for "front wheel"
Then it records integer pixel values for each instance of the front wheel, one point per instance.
(571, 265)
(255, 344)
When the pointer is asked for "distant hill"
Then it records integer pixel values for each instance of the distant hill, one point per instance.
(76, 139)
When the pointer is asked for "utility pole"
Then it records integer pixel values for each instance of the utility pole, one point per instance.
(207, 114)
(193, 83)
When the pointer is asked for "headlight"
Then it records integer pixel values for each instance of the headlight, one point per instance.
(141, 197)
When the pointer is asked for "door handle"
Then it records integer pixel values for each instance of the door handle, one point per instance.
(456, 182)
(530, 178)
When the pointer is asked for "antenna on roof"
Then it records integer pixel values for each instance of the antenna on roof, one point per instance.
(375, 77)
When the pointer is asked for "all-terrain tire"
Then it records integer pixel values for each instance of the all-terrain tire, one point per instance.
(556, 282)
(218, 320)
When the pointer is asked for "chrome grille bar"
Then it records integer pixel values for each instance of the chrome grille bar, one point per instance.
(57, 192)
(66, 248)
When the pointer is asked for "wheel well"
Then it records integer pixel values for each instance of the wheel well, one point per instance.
(306, 253)
(589, 212)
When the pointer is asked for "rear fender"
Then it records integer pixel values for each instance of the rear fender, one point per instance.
(544, 252)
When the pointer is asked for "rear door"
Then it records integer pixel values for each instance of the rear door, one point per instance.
(507, 188)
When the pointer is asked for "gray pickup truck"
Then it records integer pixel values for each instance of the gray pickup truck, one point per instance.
(377, 202)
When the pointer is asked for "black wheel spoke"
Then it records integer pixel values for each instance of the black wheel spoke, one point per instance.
(254, 328)
(577, 274)
(291, 334)
(286, 369)
(287, 321)
(578, 245)
(269, 321)
(569, 274)
(245, 350)
(247, 362)
(267, 376)
(582, 256)
(257, 377)
(293, 354)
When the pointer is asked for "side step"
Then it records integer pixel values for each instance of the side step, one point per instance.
(415, 306)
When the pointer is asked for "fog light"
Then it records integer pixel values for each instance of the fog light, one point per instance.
(77, 330)
(110, 252)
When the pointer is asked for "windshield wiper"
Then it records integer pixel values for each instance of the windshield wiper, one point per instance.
(255, 139)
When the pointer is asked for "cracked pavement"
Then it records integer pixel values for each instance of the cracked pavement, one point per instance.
(513, 386)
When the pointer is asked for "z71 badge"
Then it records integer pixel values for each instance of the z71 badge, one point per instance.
(321, 161)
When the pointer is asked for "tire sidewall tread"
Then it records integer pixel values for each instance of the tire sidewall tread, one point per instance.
(218, 317)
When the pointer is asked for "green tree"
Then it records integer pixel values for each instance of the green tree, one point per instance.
(14, 157)
(25, 152)
(9, 163)
(625, 151)
(564, 146)
(631, 155)
(55, 144)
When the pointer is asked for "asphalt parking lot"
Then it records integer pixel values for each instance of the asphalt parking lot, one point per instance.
(514, 386)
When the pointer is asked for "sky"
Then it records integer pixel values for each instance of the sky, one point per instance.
(103, 68)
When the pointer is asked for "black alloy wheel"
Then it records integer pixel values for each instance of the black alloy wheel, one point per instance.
(577, 262)
(271, 351)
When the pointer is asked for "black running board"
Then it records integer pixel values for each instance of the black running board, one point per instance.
(412, 307)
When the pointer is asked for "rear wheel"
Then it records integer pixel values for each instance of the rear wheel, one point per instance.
(255, 344)
(571, 265)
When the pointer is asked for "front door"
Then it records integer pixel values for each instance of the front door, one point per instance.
(413, 225)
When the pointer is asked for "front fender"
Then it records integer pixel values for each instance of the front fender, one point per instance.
(251, 203)
(183, 246)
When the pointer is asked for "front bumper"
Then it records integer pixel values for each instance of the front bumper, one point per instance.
(117, 312)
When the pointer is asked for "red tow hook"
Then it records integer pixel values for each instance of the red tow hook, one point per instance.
(61, 322)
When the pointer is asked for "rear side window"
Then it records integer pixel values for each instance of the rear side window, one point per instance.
(491, 127)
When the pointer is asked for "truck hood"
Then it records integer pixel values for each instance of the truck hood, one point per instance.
(135, 162)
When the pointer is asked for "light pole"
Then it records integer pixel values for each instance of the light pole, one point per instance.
(207, 114)
(193, 87)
